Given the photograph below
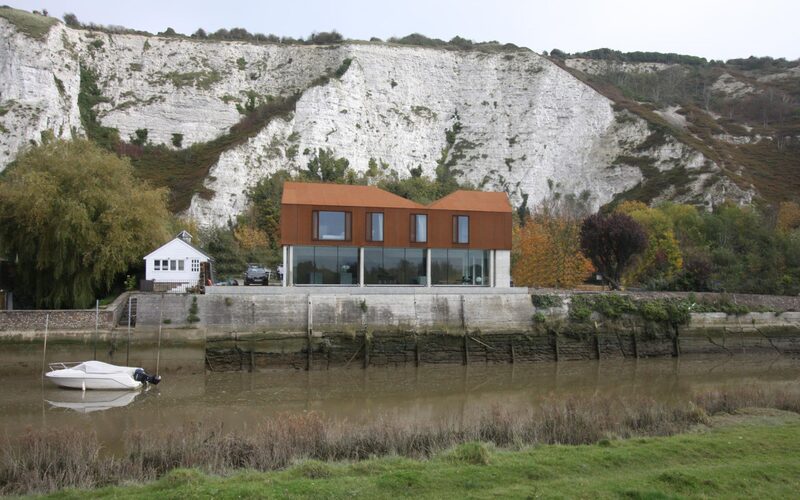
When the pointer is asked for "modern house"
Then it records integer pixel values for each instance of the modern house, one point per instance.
(334, 234)
(176, 266)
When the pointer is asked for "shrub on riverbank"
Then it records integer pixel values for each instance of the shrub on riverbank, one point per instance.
(44, 461)
(669, 311)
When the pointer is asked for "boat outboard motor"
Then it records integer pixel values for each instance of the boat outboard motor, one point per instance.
(141, 376)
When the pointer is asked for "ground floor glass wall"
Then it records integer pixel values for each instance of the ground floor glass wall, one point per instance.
(325, 266)
(394, 266)
(332, 265)
(460, 267)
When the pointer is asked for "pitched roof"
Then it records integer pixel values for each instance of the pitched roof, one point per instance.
(474, 201)
(341, 195)
(181, 242)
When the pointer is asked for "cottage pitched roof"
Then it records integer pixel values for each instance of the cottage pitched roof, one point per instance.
(341, 195)
(179, 241)
(473, 201)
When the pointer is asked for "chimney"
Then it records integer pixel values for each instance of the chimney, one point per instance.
(185, 236)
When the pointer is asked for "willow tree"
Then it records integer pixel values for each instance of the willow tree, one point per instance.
(72, 218)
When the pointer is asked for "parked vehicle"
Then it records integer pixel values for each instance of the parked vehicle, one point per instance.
(256, 274)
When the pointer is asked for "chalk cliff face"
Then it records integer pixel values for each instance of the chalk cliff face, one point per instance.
(39, 82)
(519, 122)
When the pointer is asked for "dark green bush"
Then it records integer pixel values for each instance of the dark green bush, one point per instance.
(654, 311)
(668, 311)
(546, 301)
(140, 137)
(193, 310)
(342, 69)
(613, 306)
(580, 308)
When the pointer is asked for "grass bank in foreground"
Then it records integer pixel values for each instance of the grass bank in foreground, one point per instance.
(754, 454)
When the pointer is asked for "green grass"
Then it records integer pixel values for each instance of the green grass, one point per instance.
(33, 25)
(757, 456)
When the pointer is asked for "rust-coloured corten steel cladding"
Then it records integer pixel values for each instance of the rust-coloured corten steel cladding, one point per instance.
(489, 216)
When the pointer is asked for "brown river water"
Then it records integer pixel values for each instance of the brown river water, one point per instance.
(432, 393)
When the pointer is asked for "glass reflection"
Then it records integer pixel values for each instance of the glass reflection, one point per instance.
(325, 265)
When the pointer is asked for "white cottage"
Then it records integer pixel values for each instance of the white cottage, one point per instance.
(177, 265)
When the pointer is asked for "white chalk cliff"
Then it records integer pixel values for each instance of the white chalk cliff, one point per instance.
(523, 120)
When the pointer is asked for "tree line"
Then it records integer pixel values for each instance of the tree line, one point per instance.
(77, 221)
(677, 247)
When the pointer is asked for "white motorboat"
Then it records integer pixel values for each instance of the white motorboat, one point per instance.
(98, 375)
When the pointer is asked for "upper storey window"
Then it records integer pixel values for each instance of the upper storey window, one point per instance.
(460, 229)
(331, 226)
(374, 226)
(419, 228)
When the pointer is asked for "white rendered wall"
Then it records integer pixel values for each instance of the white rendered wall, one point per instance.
(502, 268)
(174, 250)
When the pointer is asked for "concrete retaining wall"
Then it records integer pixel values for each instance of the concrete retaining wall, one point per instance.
(293, 312)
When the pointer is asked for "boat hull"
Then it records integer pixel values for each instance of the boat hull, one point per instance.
(94, 375)
(106, 382)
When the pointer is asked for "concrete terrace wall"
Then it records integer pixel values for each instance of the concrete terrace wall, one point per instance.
(234, 309)
(240, 328)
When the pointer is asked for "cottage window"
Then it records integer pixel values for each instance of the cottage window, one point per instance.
(460, 229)
(180, 265)
(164, 265)
(195, 266)
(333, 226)
(156, 265)
(374, 226)
(419, 228)
(173, 265)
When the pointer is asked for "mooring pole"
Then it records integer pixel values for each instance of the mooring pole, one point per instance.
(96, 324)
(416, 350)
(44, 351)
(555, 346)
(128, 348)
(676, 341)
(309, 333)
(367, 347)
(160, 323)
(596, 341)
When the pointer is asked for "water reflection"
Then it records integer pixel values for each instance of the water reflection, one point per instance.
(90, 401)
(429, 394)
